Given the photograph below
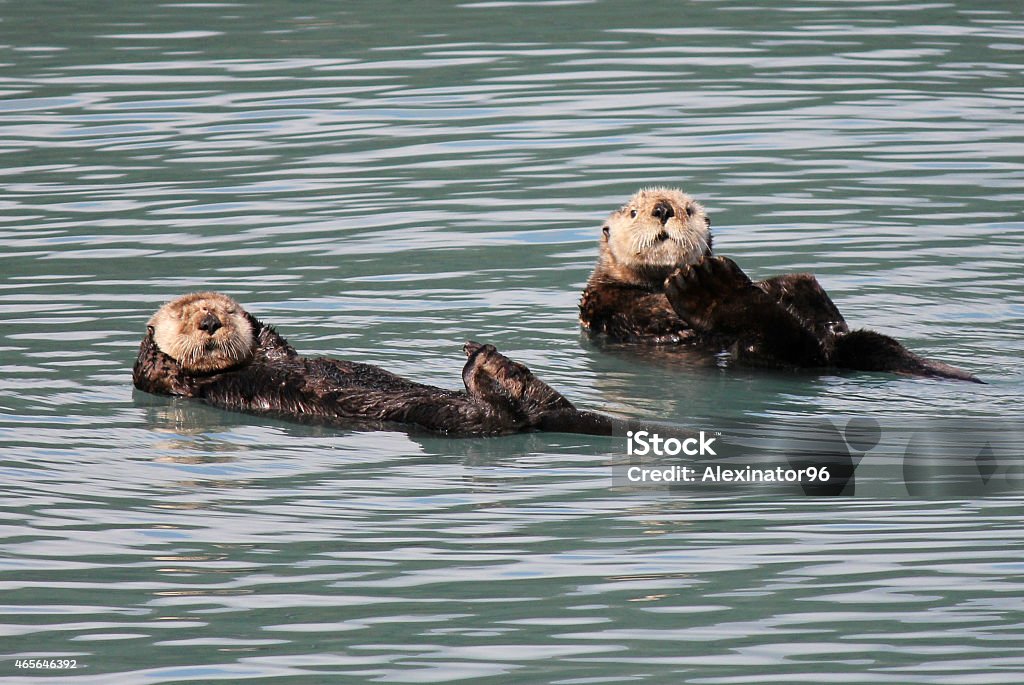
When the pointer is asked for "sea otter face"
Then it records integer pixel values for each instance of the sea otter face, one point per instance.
(656, 231)
(203, 332)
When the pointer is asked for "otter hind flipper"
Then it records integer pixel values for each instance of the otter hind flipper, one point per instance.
(716, 298)
(865, 350)
(803, 296)
(490, 375)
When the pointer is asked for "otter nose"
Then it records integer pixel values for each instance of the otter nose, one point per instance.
(663, 212)
(210, 324)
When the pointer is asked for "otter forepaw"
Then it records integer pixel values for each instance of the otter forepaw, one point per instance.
(703, 293)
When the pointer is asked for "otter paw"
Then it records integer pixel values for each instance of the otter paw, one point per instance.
(492, 376)
(702, 293)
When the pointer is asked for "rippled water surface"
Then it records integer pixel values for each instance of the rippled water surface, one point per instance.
(385, 180)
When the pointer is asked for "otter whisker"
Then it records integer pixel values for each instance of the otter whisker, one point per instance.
(176, 335)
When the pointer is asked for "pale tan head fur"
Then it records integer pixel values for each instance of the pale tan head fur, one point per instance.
(204, 332)
(645, 240)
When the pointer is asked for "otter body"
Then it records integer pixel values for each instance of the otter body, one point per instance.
(657, 282)
(205, 346)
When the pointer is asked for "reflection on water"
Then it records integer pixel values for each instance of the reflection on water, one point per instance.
(384, 182)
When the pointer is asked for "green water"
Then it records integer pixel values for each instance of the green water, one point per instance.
(383, 181)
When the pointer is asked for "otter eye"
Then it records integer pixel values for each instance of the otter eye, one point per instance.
(632, 214)
(607, 231)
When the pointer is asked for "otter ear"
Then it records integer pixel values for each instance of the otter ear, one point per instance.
(606, 231)
(150, 331)
(707, 221)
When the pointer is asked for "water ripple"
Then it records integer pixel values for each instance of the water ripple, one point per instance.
(384, 190)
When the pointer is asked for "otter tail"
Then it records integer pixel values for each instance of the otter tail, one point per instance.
(579, 421)
(865, 350)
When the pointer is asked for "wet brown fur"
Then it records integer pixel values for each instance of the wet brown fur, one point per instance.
(707, 302)
(178, 357)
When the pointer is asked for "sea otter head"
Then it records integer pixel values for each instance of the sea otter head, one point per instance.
(203, 332)
(658, 230)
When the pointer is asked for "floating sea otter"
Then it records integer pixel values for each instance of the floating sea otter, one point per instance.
(207, 347)
(656, 281)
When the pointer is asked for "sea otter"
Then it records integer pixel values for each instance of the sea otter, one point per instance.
(207, 347)
(657, 282)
